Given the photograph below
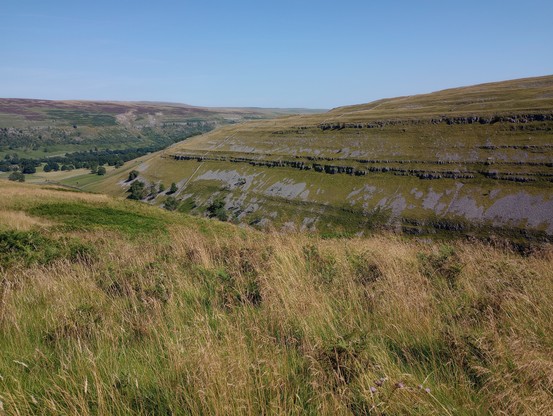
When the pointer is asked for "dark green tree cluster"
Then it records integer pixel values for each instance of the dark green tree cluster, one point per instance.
(28, 168)
(217, 209)
(173, 188)
(13, 163)
(16, 177)
(171, 203)
(154, 139)
(133, 174)
(107, 135)
(79, 160)
(137, 190)
(51, 166)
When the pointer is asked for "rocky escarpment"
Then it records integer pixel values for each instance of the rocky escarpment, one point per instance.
(364, 167)
(482, 156)
(449, 120)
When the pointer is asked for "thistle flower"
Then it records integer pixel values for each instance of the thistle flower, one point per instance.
(399, 385)
(381, 381)
(373, 389)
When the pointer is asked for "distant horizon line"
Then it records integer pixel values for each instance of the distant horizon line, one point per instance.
(182, 104)
(171, 103)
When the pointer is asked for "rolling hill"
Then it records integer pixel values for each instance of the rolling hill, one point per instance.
(39, 128)
(473, 160)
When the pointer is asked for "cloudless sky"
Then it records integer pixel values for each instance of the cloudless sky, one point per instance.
(279, 53)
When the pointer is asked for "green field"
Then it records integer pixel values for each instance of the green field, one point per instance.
(77, 178)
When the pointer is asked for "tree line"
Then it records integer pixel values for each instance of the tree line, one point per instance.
(95, 160)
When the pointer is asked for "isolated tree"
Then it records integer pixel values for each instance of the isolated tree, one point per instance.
(171, 204)
(173, 188)
(16, 176)
(137, 190)
(132, 175)
(47, 168)
(161, 188)
(217, 209)
(101, 170)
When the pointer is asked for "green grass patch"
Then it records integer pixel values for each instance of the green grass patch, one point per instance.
(187, 205)
(80, 216)
(82, 180)
(63, 189)
(31, 247)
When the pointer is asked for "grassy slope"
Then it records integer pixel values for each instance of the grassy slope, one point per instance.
(115, 307)
(487, 160)
(529, 94)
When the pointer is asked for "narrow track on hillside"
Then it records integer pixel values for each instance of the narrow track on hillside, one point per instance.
(202, 162)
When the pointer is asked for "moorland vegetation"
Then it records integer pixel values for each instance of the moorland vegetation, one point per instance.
(109, 306)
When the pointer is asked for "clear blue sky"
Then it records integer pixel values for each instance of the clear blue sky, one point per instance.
(285, 53)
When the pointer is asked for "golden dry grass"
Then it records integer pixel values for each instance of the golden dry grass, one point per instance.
(21, 192)
(17, 220)
(213, 319)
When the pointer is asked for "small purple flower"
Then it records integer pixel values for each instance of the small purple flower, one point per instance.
(420, 386)
(381, 381)
(399, 385)
(427, 390)
(373, 389)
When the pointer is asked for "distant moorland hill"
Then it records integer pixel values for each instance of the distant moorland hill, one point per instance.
(38, 128)
(473, 160)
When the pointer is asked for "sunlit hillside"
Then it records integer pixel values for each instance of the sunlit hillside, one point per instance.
(115, 307)
(470, 161)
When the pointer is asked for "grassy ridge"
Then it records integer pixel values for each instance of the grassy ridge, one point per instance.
(203, 317)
